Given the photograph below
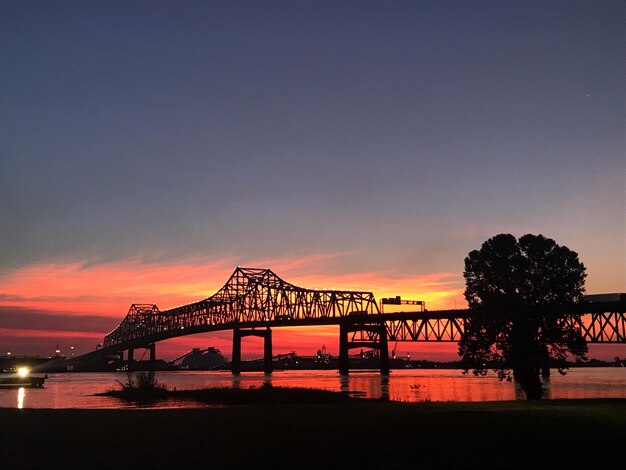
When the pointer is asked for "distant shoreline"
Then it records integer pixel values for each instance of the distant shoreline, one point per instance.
(58, 365)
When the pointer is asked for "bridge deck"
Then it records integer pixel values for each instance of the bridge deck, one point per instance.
(257, 298)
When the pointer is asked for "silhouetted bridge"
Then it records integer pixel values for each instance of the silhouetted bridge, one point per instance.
(253, 301)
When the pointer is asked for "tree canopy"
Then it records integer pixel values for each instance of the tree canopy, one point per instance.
(519, 292)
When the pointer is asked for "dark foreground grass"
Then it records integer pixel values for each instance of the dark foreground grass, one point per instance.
(356, 434)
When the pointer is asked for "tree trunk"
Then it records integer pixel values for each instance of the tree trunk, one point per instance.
(524, 355)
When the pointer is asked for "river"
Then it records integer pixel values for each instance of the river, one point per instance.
(76, 390)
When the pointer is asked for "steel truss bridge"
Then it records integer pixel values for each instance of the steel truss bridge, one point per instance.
(255, 300)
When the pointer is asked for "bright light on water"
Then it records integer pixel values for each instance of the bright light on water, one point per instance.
(23, 371)
(21, 393)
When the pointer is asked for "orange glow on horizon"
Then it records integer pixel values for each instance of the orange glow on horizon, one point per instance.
(107, 289)
(29, 333)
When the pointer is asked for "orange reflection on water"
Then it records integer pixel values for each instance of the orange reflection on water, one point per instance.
(409, 385)
(76, 390)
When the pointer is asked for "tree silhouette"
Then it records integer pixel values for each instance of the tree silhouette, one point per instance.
(519, 292)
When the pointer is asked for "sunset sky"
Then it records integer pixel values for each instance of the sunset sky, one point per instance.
(149, 148)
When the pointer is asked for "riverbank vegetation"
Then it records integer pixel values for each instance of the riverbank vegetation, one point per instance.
(143, 388)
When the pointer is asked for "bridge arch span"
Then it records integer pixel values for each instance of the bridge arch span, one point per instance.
(251, 298)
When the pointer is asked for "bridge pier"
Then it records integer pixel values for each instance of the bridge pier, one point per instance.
(152, 348)
(236, 359)
(344, 362)
(371, 334)
(239, 333)
(129, 362)
(267, 352)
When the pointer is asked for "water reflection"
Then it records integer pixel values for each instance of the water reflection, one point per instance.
(76, 390)
(344, 383)
(545, 385)
(236, 383)
(547, 389)
(384, 387)
(519, 393)
(20, 398)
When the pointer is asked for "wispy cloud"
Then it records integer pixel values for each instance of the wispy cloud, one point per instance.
(32, 333)
(109, 288)
(315, 261)
(37, 319)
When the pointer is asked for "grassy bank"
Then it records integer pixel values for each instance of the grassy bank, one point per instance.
(356, 434)
(266, 395)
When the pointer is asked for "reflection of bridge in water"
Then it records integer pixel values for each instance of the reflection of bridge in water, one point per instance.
(253, 301)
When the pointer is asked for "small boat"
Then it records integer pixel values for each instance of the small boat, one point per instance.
(21, 379)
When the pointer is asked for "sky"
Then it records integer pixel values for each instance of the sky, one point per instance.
(149, 148)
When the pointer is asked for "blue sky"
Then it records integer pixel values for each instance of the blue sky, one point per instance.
(395, 135)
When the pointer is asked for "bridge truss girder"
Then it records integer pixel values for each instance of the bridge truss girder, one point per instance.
(257, 298)
(603, 327)
(249, 296)
(447, 326)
